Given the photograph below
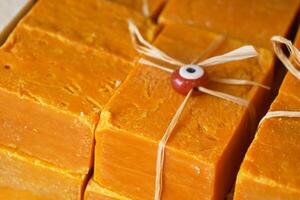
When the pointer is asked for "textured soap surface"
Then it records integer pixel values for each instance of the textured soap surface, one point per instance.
(252, 21)
(204, 150)
(95, 191)
(60, 89)
(53, 86)
(10, 12)
(100, 25)
(39, 179)
(270, 169)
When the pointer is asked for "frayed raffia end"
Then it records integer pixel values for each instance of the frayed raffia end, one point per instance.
(280, 113)
(144, 47)
(237, 54)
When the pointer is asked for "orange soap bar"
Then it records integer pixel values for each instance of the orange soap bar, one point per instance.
(270, 169)
(95, 191)
(97, 24)
(146, 7)
(52, 92)
(252, 21)
(40, 181)
(206, 147)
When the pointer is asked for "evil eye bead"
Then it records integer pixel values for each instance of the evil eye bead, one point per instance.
(188, 77)
(191, 72)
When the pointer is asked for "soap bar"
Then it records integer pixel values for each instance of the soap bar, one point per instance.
(40, 181)
(95, 191)
(270, 169)
(253, 21)
(100, 25)
(10, 12)
(205, 149)
(56, 91)
(149, 8)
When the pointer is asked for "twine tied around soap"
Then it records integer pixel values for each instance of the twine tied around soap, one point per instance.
(277, 42)
(144, 47)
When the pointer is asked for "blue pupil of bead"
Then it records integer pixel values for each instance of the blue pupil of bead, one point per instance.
(190, 70)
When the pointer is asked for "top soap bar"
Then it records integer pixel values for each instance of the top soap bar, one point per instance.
(252, 21)
(97, 24)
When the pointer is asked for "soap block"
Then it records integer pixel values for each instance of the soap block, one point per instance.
(253, 22)
(10, 13)
(57, 90)
(95, 191)
(40, 181)
(149, 8)
(270, 169)
(206, 147)
(100, 25)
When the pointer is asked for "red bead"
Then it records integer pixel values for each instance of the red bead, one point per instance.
(188, 77)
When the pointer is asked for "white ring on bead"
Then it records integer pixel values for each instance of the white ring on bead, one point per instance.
(197, 73)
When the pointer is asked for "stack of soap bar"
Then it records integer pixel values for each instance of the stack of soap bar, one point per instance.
(206, 147)
(146, 7)
(97, 24)
(270, 169)
(10, 13)
(251, 21)
(52, 89)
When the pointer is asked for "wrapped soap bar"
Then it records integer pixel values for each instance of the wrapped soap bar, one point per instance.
(100, 25)
(253, 22)
(270, 169)
(207, 144)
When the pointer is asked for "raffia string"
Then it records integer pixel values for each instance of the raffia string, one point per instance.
(280, 113)
(145, 8)
(144, 47)
(294, 53)
(237, 54)
(277, 42)
(162, 144)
